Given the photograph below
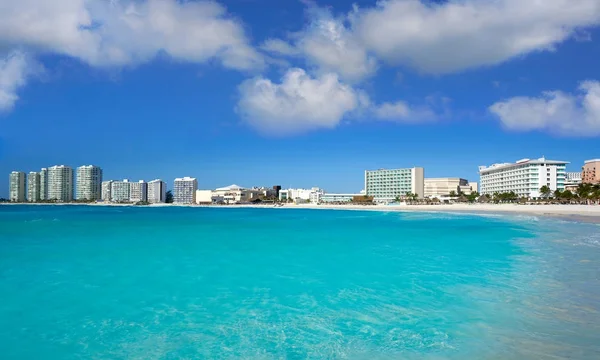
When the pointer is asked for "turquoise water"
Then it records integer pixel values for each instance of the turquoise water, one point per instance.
(201, 283)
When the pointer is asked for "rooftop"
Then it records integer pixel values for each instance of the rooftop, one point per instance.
(591, 161)
(541, 160)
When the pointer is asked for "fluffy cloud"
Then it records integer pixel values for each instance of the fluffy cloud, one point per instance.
(328, 46)
(15, 68)
(127, 32)
(554, 111)
(456, 35)
(298, 104)
(437, 38)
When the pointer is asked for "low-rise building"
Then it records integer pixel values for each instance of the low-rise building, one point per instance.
(338, 198)
(204, 197)
(572, 181)
(590, 172)
(439, 187)
(301, 195)
(234, 194)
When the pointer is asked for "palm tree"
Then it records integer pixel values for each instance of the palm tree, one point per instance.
(545, 191)
(558, 194)
(169, 197)
(452, 193)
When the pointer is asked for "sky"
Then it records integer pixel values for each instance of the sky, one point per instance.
(296, 93)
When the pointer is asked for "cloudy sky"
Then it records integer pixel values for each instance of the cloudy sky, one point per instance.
(297, 93)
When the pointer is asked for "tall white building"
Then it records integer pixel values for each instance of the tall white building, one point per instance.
(138, 191)
(44, 184)
(157, 191)
(524, 177)
(386, 185)
(106, 190)
(33, 187)
(89, 182)
(120, 191)
(184, 190)
(60, 183)
(16, 186)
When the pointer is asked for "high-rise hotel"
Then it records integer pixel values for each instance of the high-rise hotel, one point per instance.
(524, 177)
(184, 190)
(33, 187)
(60, 183)
(386, 185)
(157, 191)
(16, 183)
(89, 182)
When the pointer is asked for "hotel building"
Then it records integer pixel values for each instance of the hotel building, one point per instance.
(33, 187)
(89, 182)
(590, 172)
(386, 185)
(525, 177)
(120, 191)
(572, 181)
(16, 186)
(184, 190)
(338, 198)
(440, 187)
(138, 191)
(60, 183)
(157, 191)
(44, 184)
(106, 190)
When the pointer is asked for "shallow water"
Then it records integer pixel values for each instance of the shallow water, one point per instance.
(166, 283)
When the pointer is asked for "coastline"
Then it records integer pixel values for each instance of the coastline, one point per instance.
(586, 213)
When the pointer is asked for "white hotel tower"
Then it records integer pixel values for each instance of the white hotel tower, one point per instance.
(525, 177)
(89, 182)
(157, 191)
(60, 183)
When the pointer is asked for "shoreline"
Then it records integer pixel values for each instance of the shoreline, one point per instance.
(585, 213)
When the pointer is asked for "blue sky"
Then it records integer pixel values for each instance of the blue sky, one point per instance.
(296, 93)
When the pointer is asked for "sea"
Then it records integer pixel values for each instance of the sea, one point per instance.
(100, 282)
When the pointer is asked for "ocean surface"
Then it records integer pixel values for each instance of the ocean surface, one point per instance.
(92, 282)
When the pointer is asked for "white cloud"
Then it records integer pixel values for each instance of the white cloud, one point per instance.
(457, 35)
(328, 46)
(15, 68)
(555, 111)
(127, 32)
(300, 103)
(401, 111)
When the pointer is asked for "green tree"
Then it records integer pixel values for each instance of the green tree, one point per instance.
(558, 194)
(545, 191)
(452, 193)
(169, 197)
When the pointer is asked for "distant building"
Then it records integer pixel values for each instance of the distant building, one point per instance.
(60, 183)
(106, 190)
(338, 198)
(184, 190)
(276, 190)
(157, 191)
(16, 185)
(89, 183)
(387, 185)
(572, 181)
(438, 187)
(590, 172)
(204, 197)
(301, 195)
(138, 191)
(33, 187)
(44, 184)
(524, 177)
(474, 186)
(120, 191)
(234, 194)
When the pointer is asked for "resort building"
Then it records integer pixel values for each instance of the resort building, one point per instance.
(33, 187)
(44, 184)
(120, 191)
(89, 183)
(474, 186)
(106, 190)
(301, 195)
(16, 185)
(590, 172)
(184, 190)
(572, 181)
(442, 187)
(138, 191)
(524, 177)
(385, 185)
(234, 194)
(60, 183)
(338, 198)
(157, 191)
(205, 197)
